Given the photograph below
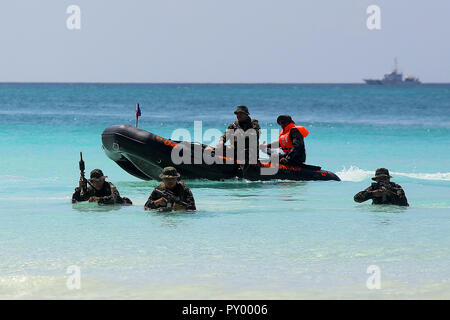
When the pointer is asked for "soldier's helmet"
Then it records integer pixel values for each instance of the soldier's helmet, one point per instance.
(169, 172)
(381, 173)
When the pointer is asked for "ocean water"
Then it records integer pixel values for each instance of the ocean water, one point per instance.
(248, 240)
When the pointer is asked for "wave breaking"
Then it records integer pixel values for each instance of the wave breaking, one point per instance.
(356, 174)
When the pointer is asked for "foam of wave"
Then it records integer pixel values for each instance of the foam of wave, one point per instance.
(354, 174)
(425, 176)
(357, 174)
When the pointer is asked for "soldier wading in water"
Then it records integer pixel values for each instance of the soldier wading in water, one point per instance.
(171, 194)
(99, 190)
(383, 191)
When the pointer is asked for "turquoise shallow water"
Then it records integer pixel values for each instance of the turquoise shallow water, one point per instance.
(276, 239)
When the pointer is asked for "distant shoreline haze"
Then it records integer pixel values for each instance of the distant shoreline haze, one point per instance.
(229, 83)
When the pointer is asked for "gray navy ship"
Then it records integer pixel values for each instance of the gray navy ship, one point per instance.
(394, 78)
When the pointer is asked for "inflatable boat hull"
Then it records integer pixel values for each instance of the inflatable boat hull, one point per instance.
(144, 154)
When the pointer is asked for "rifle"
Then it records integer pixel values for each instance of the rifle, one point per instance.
(85, 181)
(380, 184)
(82, 168)
(171, 198)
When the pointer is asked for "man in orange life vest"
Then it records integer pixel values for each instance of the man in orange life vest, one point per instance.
(290, 142)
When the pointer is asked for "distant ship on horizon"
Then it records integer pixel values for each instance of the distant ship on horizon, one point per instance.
(394, 78)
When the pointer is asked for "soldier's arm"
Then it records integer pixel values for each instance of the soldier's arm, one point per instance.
(114, 197)
(257, 128)
(150, 204)
(78, 197)
(270, 145)
(189, 199)
(224, 138)
(364, 195)
(258, 131)
(298, 145)
(398, 196)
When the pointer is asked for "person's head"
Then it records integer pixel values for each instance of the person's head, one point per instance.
(382, 175)
(97, 179)
(242, 113)
(169, 176)
(284, 120)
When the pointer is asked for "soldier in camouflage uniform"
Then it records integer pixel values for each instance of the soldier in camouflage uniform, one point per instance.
(99, 191)
(245, 123)
(178, 197)
(383, 191)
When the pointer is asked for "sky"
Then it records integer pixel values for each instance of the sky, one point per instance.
(225, 41)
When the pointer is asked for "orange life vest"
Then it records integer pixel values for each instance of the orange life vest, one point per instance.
(284, 140)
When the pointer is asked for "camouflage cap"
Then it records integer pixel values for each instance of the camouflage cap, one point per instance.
(97, 174)
(243, 109)
(380, 173)
(169, 172)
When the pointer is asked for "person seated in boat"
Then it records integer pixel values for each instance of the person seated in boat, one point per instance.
(171, 194)
(290, 141)
(99, 190)
(243, 128)
(383, 191)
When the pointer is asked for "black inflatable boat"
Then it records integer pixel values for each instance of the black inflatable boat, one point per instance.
(144, 154)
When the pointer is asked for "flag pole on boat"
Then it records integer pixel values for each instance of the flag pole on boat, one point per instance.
(138, 113)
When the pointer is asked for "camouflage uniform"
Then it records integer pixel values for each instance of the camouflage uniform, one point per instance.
(180, 190)
(108, 195)
(244, 126)
(394, 195)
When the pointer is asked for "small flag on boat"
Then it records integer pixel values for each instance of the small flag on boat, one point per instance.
(138, 110)
(138, 113)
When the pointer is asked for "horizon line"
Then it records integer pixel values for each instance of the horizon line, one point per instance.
(194, 83)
